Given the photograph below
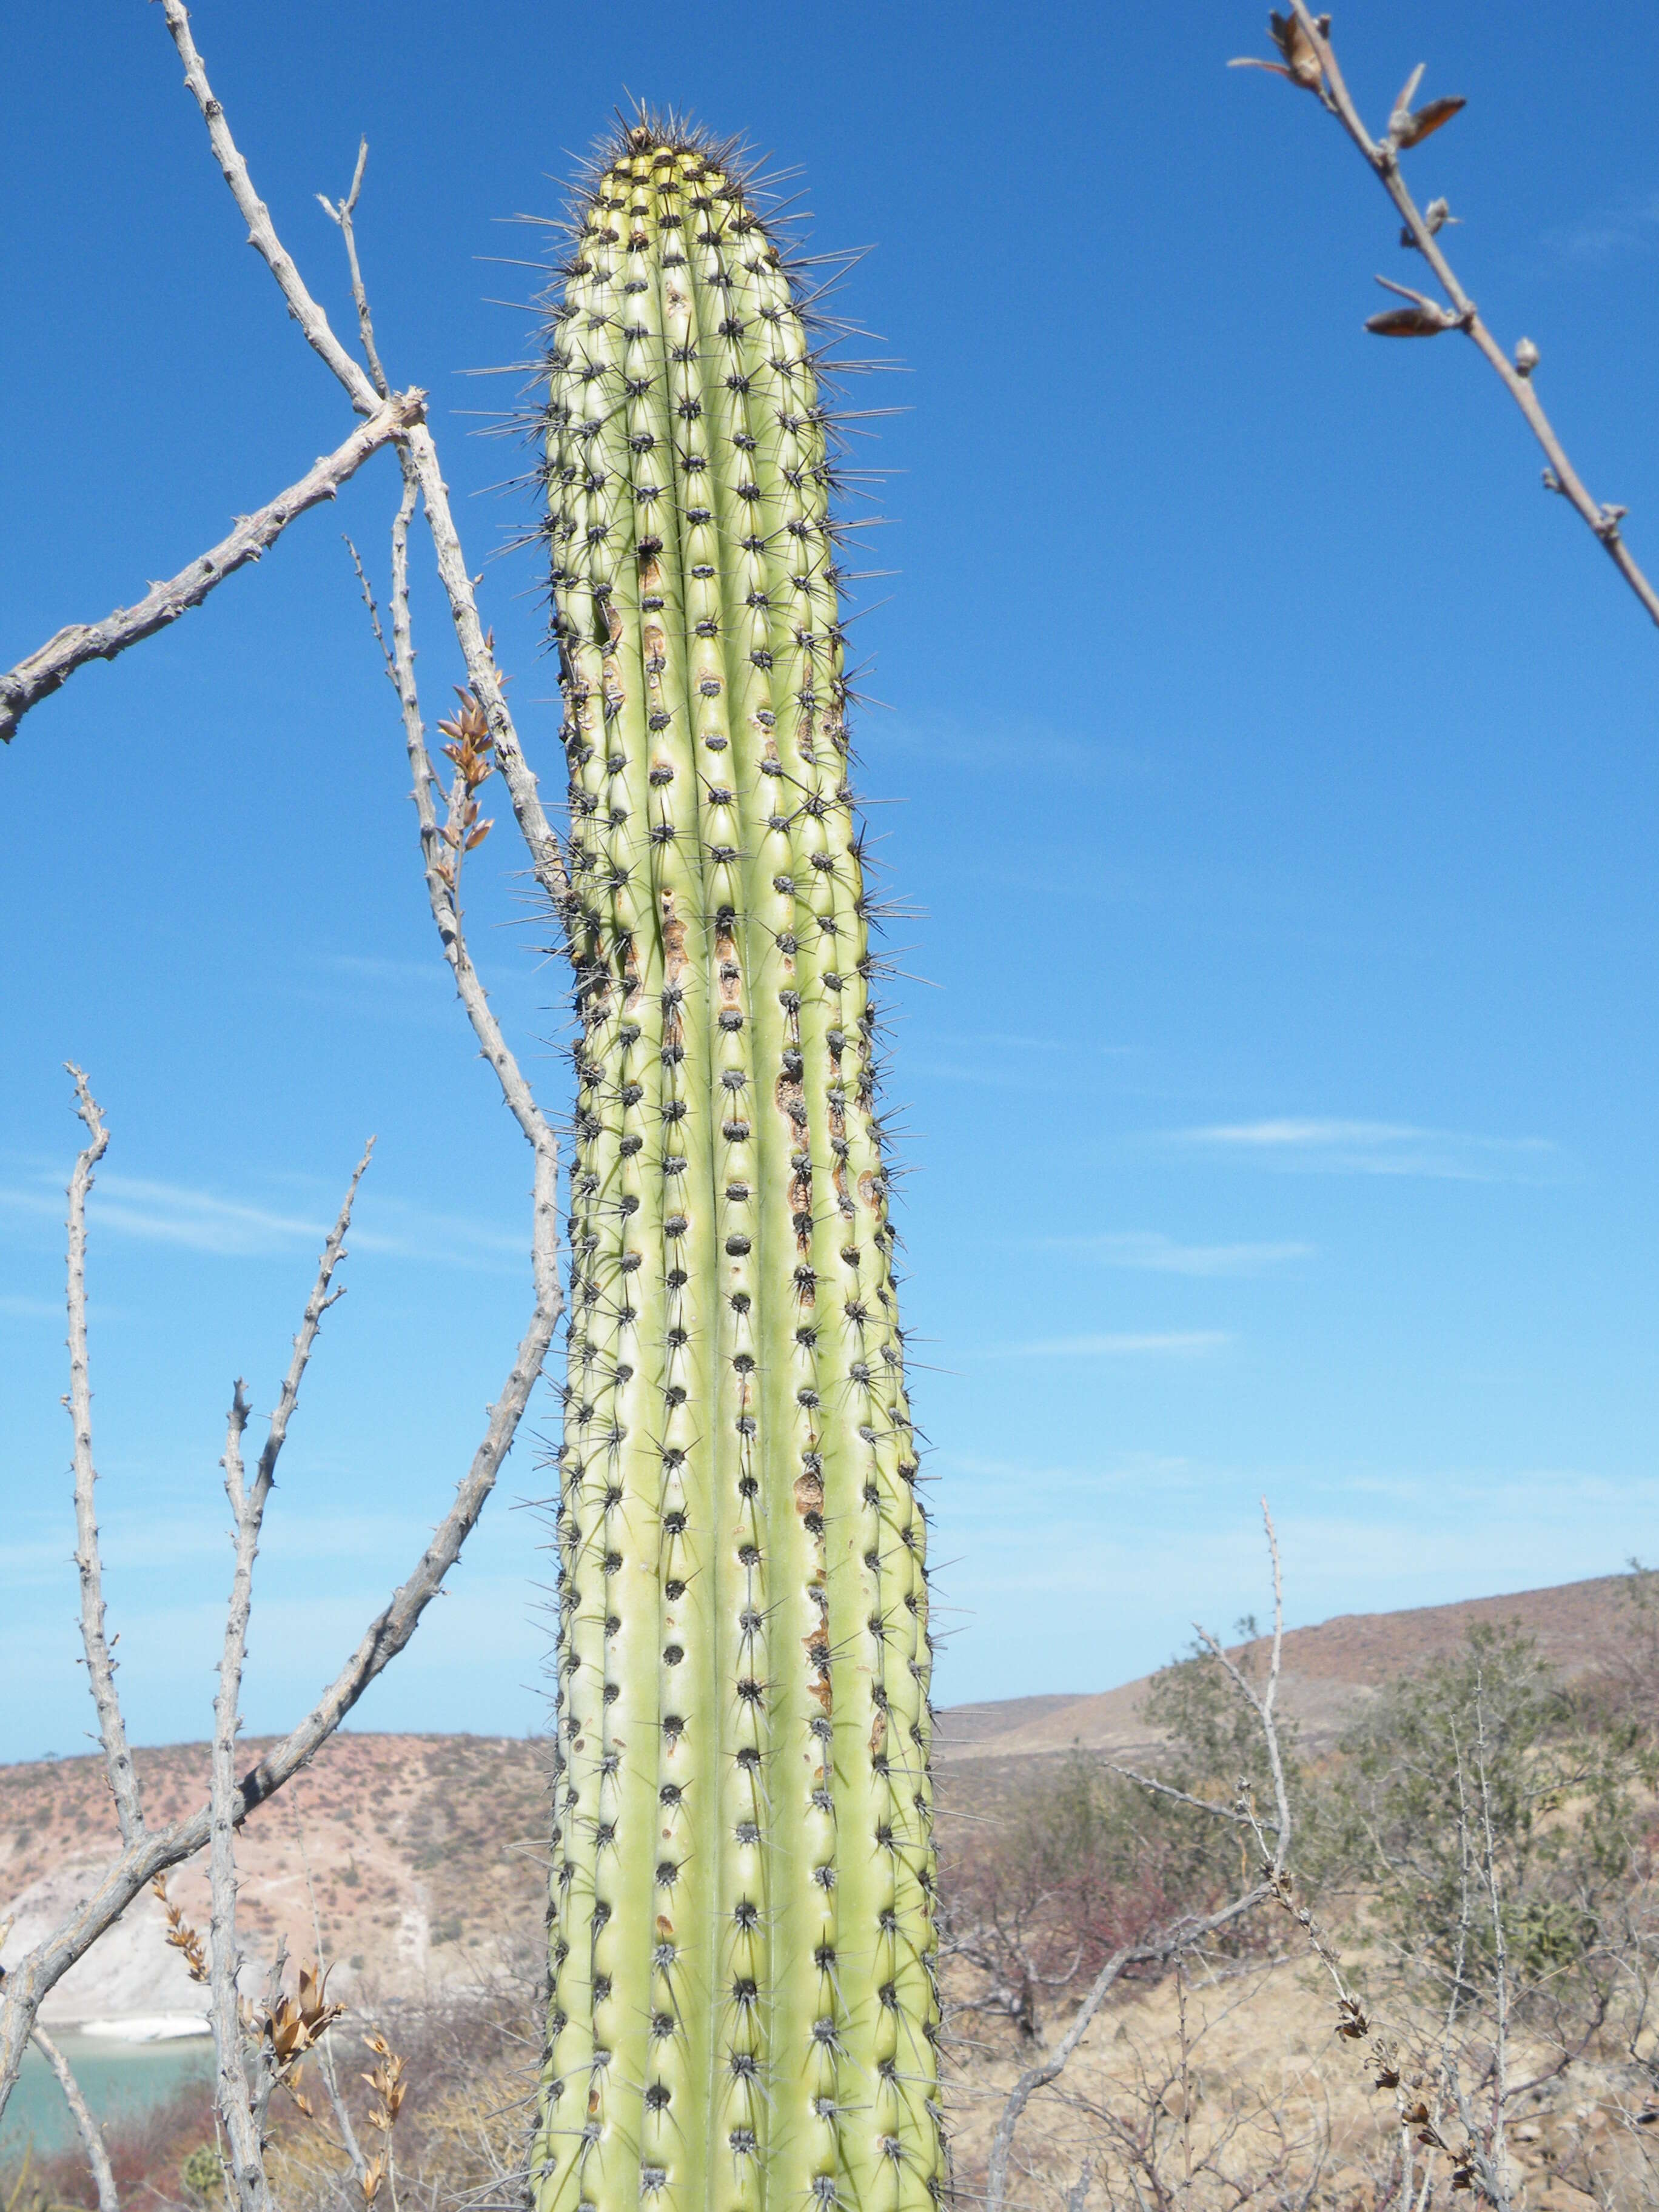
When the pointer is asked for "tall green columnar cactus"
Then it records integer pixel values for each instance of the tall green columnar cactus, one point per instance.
(744, 2012)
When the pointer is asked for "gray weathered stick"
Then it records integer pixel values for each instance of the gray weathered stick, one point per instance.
(442, 848)
(92, 2139)
(1170, 1944)
(245, 2162)
(46, 669)
(100, 1664)
(261, 232)
(247, 1505)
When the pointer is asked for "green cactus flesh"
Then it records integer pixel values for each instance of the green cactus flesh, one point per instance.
(743, 2008)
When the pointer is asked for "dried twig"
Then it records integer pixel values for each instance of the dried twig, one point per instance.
(92, 2139)
(261, 232)
(545, 857)
(325, 2066)
(1307, 60)
(237, 2102)
(341, 211)
(1209, 1805)
(443, 847)
(47, 669)
(100, 1660)
(1170, 1944)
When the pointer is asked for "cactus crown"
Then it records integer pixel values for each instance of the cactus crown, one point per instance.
(743, 2009)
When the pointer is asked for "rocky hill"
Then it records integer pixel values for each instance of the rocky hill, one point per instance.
(413, 1859)
(411, 1856)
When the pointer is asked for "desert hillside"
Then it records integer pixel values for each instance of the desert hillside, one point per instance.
(416, 1855)
(411, 1853)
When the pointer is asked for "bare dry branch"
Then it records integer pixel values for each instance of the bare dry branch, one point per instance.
(148, 1853)
(46, 669)
(442, 847)
(246, 2163)
(100, 1661)
(92, 2139)
(341, 211)
(261, 232)
(1209, 1805)
(1304, 42)
(546, 857)
(1171, 1943)
(239, 2105)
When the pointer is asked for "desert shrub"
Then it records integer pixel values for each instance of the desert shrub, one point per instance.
(1502, 1844)
(1035, 1900)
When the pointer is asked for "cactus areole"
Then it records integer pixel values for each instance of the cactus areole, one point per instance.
(743, 2011)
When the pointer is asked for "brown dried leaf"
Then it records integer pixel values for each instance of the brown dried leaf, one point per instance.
(1407, 323)
(1425, 121)
(1302, 62)
(478, 835)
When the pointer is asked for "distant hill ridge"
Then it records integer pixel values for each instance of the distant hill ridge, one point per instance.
(1329, 1673)
(420, 1856)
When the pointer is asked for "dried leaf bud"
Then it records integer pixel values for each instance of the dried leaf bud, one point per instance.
(1300, 64)
(1407, 128)
(1409, 323)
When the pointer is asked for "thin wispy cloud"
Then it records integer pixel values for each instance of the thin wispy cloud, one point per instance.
(369, 968)
(1000, 1061)
(1606, 235)
(1150, 1249)
(1132, 1344)
(978, 748)
(192, 1220)
(16, 1308)
(172, 1213)
(1315, 1145)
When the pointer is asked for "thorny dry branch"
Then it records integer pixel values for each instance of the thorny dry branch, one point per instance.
(1308, 61)
(487, 727)
(51, 665)
(99, 1660)
(239, 2098)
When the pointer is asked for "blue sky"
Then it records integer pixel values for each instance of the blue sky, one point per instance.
(1271, 764)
